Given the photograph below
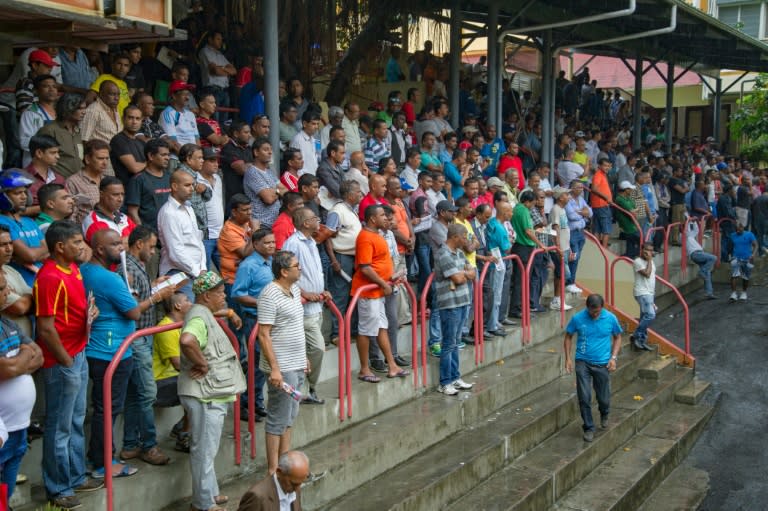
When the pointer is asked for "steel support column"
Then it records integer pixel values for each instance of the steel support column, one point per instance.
(637, 105)
(547, 99)
(500, 66)
(670, 100)
(493, 69)
(271, 74)
(453, 92)
(716, 105)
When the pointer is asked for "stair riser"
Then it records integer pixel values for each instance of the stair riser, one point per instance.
(658, 372)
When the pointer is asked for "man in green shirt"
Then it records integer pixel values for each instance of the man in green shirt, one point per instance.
(56, 203)
(525, 244)
(627, 226)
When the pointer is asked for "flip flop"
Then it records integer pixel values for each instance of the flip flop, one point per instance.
(402, 373)
(220, 499)
(127, 471)
(369, 378)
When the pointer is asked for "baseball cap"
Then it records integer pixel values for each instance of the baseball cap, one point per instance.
(470, 129)
(43, 57)
(178, 85)
(626, 185)
(446, 205)
(495, 181)
(205, 282)
(710, 139)
(404, 185)
(579, 134)
(210, 153)
(559, 190)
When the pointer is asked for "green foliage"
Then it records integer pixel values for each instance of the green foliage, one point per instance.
(50, 507)
(750, 120)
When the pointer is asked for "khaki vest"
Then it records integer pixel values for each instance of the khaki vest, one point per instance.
(225, 376)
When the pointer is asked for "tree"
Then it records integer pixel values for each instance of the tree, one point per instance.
(750, 121)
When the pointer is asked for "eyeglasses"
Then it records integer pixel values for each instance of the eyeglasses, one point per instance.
(297, 265)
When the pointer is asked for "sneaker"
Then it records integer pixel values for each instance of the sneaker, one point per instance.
(734, 296)
(604, 422)
(743, 296)
(90, 485)
(70, 502)
(589, 435)
(379, 365)
(448, 390)
(435, 350)
(555, 305)
(402, 362)
(461, 345)
(462, 385)
(573, 288)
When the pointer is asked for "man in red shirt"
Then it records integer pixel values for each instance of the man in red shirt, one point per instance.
(283, 226)
(63, 314)
(106, 213)
(378, 187)
(511, 160)
(600, 199)
(373, 265)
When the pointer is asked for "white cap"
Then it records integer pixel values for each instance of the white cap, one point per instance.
(626, 185)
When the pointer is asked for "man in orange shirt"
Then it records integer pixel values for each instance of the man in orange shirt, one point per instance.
(373, 265)
(403, 231)
(600, 200)
(234, 242)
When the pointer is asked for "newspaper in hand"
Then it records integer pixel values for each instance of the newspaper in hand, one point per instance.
(174, 280)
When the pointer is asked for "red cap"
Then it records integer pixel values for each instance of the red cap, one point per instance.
(42, 57)
(178, 85)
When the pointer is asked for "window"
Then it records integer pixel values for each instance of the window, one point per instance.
(745, 17)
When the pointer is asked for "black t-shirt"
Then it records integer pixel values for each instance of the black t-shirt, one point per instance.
(149, 193)
(135, 78)
(121, 145)
(233, 182)
(676, 197)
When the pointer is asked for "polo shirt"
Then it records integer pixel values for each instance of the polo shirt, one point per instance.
(496, 236)
(26, 230)
(149, 192)
(625, 222)
(742, 244)
(428, 159)
(599, 182)
(122, 145)
(594, 336)
(447, 264)
(310, 151)
(98, 221)
(59, 292)
(369, 200)
(371, 250)
(113, 299)
(253, 274)
(165, 346)
(70, 147)
(180, 126)
(507, 162)
(522, 221)
(231, 238)
(233, 152)
(286, 315)
(312, 279)
(85, 191)
(51, 177)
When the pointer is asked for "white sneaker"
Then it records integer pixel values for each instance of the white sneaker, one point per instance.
(462, 385)
(573, 288)
(743, 296)
(734, 296)
(448, 390)
(555, 305)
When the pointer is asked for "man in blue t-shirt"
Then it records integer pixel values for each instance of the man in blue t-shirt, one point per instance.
(744, 246)
(597, 346)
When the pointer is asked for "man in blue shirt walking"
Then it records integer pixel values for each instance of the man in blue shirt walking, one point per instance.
(597, 346)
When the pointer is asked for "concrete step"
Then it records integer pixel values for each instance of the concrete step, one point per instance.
(683, 490)
(452, 467)
(629, 475)
(657, 369)
(692, 393)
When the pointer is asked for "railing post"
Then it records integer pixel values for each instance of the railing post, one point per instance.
(252, 340)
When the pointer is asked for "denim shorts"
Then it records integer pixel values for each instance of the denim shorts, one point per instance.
(282, 409)
(602, 220)
(741, 268)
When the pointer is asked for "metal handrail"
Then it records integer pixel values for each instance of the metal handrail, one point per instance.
(666, 245)
(423, 321)
(107, 389)
(415, 338)
(631, 217)
(528, 269)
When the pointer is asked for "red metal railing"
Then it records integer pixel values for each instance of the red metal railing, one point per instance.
(528, 269)
(603, 253)
(109, 374)
(479, 314)
(659, 228)
(666, 245)
(631, 217)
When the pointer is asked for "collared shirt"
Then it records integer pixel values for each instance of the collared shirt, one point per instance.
(522, 221)
(567, 171)
(97, 220)
(576, 222)
(182, 240)
(70, 147)
(76, 72)
(286, 499)
(351, 135)
(542, 234)
(180, 126)
(594, 336)
(310, 151)
(354, 174)
(100, 122)
(125, 98)
(253, 274)
(254, 181)
(50, 177)
(411, 176)
(85, 191)
(209, 55)
(141, 288)
(375, 150)
(151, 129)
(447, 264)
(311, 279)
(33, 118)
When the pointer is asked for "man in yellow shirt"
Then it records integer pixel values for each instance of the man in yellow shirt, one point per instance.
(470, 252)
(121, 64)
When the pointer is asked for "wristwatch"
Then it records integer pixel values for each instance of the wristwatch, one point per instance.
(614, 359)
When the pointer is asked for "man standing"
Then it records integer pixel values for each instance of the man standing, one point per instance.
(498, 243)
(210, 379)
(127, 151)
(678, 187)
(378, 187)
(234, 243)
(236, 155)
(312, 285)
(261, 185)
(597, 347)
(644, 292)
(627, 226)
(19, 303)
(744, 249)
(70, 109)
(281, 489)
(102, 121)
(600, 199)
(703, 259)
(84, 185)
(377, 147)
(306, 142)
(45, 154)
(525, 243)
(578, 212)
(148, 191)
(39, 113)
(216, 70)
(351, 128)
(330, 175)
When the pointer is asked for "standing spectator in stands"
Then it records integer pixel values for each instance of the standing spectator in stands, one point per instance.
(312, 285)
(329, 172)
(56, 203)
(261, 185)
(102, 119)
(699, 203)
(177, 120)
(45, 155)
(358, 171)
(498, 244)
(121, 64)
(70, 110)
(126, 149)
(288, 129)
(567, 169)
(644, 292)
(149, 190)
(261, 126)
(134, 79)
(149, 127)
(296, 98)
(373, 265)
(725, 209)
(292, 163)
(40, 64)
(76, 73)
(335, 120)
(351, 124)
(41, 112)
(378, 187)
(207, 360)
(409, 107)
(541, 262)
(393, 73)
(744, 250)
(216, 70)
(661, 188)
(283, 351)
(678, 187)
(525, 243)
(234, 241)
(703, 259)
(19, 303)
(283, 227)
(62, 313)
(214, 208)
(306, 142)
(597, 347)
(411, 171)
(28, 243)
(179, 234)
(191, 161)
(760, 219)
(209, 129)
(446, 149)
(600, 199)
(744, 202)
(627, 227)
(402, 229)
(511, 160)
(435, 193)
(107, 213)
(309, 187)
(558, 220)
(140, 438)
(456, 173)
(234, 158)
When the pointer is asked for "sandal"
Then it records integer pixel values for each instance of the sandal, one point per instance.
(182, 444)
(402, 373)
(220, 500)
(369, 378)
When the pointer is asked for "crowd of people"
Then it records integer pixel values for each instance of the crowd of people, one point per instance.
(117, 214)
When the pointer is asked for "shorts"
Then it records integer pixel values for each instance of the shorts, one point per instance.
(371, 316)
(167, 392)
(741, 268)
(602, 220)
(556, 261)
(282, 409)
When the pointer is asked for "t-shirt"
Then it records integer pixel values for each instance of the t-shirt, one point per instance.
(17, 288)
(231, 153)
(17, 395)
(113, 299)
(625, 222)
(742, 244)
(165, 346)
(675, 197)
(371, 249)
(522, 221)
(149, 193)
(26, 230)
(122, 145)
(594, 336)
(600, 183)
(447, 264)
(559, 218)
(644, 286)
(97, 221)
(180, 126)
(286, 315)
(59, 292)
(231, 238)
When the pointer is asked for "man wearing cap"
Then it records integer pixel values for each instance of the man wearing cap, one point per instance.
(39, 113)
(394, 105)
(210, 379)
(627, 227)
(40, 63)
(177, 120)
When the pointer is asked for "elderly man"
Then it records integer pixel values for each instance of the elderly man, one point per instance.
(209, 380)
(102, 121)
(281, 491)
(284, 352)
(598, 343)
(312, 286)
(351, 127)
(335, 119)
(578, 212)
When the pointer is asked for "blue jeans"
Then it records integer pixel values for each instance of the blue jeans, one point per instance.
(249, 321)
(647, 315)
(706, 262)
(422, 252)
(435, 330)
(588, 375)
(467, 310)
(450, 320)
(212, 253)
(339, 289)
(539, 275)
(497, 287)
(577, 244)
(139, 428)
(64, 439)
(96, 369)
(11, 454)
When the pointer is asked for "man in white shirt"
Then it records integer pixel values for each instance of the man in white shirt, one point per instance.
(177, 120)
(182, 241)
(644, 292)
(209, 175)
(306, 142)
(567, 169)
(335, 119)
(411, 171)
(351, 127)
(435, 194)
(216, 71)
(358, 171)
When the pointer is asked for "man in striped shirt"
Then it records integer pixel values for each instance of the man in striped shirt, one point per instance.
(377, 147)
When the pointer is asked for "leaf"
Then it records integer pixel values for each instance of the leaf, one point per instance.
(638, 397)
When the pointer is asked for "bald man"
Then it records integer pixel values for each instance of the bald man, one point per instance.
(358, 171)
(284, 486)
(378, 187)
